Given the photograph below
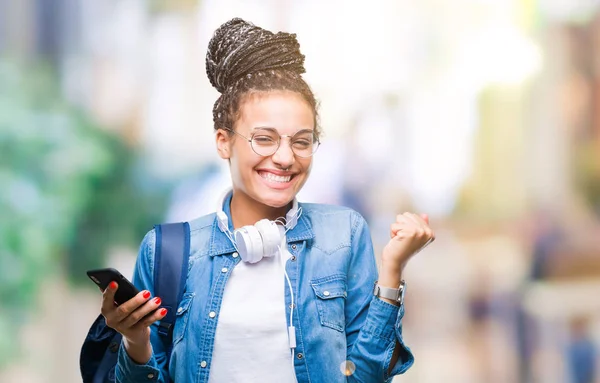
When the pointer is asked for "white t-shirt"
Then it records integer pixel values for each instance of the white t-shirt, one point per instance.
(251, 341)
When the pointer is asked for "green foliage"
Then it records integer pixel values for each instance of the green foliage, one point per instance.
(69, 191)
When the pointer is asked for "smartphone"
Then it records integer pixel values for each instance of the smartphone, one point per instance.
(102, 278)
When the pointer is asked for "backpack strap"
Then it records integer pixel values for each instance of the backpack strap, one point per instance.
(171, 262)
(170, 271)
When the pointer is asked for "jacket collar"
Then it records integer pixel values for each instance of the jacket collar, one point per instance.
(220, 243)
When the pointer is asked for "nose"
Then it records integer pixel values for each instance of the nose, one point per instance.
(284, 156)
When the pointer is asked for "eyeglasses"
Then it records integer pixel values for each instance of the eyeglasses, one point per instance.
(265, 141)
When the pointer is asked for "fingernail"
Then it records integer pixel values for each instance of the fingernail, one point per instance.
(157, 300)
(146, 294)
(163, 312)
(113, 285)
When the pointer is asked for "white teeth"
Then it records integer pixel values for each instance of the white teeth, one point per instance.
(275, 178)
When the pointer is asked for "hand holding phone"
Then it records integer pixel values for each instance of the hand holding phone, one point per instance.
(135, 313)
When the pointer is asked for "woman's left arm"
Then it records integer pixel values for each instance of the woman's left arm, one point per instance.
(376, 350)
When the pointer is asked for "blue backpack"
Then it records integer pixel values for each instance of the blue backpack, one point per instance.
(99, 352)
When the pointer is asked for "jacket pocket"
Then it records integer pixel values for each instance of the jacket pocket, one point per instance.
(182, 316)
(331, 296)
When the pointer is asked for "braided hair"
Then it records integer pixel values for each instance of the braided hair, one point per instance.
(243, 59)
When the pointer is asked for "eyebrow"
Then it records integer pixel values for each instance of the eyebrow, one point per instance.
(275, 130)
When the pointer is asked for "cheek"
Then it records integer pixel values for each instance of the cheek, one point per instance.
(307, 166)
(306, 169)
(243, 164)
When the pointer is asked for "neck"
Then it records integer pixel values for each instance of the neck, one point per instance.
(246, 211)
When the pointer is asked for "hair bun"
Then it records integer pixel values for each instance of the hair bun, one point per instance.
(238, 48)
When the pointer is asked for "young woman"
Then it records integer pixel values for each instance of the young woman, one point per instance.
(277, 291)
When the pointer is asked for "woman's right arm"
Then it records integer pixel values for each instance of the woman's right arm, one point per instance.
(142, 356)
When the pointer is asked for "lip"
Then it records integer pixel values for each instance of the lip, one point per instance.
(276, 185)
(277, 172)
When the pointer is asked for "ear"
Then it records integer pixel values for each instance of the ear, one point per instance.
(223, 144)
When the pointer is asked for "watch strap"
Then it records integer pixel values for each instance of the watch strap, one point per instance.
(396, 295)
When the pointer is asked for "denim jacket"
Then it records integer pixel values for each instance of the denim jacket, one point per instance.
(337, 318)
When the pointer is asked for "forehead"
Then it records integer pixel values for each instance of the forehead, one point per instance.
(285, 111)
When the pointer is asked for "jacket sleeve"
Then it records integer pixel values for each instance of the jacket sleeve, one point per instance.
(155, 370)
(373, 327)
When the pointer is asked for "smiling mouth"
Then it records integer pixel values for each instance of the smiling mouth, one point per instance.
(275, 178)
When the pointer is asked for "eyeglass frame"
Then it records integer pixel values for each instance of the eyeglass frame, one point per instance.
(317, 142)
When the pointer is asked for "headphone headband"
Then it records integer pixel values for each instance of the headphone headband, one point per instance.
(253, 242)
(291, 217)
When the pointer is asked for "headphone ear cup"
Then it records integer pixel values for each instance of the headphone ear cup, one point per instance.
(242, 242)
(249, 243)
(271, 236)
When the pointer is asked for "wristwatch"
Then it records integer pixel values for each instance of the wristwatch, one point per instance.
(396, 295)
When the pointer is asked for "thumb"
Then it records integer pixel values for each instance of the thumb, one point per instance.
(425, 218)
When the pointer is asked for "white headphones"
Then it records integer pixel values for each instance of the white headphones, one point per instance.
(253, 242)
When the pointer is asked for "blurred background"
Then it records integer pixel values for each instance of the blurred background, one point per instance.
(485, 114)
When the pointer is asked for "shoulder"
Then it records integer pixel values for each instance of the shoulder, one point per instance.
(196, 225)
(200, 228)
(333, 222)
(326, 213)
(202, 223)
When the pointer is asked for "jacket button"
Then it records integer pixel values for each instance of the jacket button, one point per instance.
(294, 247)
(300, 356)
(113, 347)
(150, 376)
(212, 314)
(235, 255)
(293, 258)
(326, 293)
(203, 364)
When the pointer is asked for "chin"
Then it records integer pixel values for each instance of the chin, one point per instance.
(276, 199)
